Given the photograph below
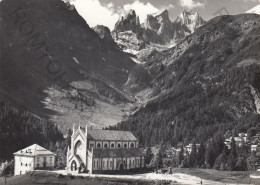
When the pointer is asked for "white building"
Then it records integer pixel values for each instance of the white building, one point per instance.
(189, 147)
(31, 158)
(253, 148)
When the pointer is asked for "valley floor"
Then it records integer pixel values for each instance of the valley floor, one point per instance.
(179, 176)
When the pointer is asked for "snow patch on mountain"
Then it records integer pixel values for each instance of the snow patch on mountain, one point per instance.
(75, 60)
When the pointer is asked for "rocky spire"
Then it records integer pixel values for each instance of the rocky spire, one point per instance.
(129, 22)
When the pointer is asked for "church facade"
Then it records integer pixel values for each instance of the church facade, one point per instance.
(103, 151)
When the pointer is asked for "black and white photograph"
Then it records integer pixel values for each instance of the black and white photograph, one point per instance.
(129, 92)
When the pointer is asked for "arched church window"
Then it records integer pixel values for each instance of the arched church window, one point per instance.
(125, 145)
(98, 145)
(118, 145)
(132, 145)
(78, 148)
(105, 145)
(112, 145)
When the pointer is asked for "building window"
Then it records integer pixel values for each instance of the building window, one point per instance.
(133, 163)
(94, 164)
(97, 163)
(105, 145)
(98, 145)
(111, 164)
(26, 164)
(38, 165)
(38, 159)
(20, 172)
(118, 145)
(132, 145)
(50, 159)
(91, 145)
(21, 164)
(112, 145)
(125, 145)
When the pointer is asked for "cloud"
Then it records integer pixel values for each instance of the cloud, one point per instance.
(95, 13)
(191, 4)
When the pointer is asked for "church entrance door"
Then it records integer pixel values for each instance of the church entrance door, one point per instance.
(73, 166)
(121, 167)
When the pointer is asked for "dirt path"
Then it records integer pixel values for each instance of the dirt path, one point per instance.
(179, 178)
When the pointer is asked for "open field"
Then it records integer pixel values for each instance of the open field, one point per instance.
(179, 176)
(225, 177)
(48, 178)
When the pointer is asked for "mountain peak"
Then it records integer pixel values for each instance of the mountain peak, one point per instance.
(129, 22)
(186, 11)
(130, 14)
(192, 21)
(164, 14)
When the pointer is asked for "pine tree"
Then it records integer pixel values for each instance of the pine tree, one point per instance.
(231, 162)
(181, 155)
(193, 155)
(148, 155)
(201, 155)
(210, 156)
(160, 158)
(233, 147)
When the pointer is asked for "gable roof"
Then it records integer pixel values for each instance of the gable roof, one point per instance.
(34, 150)
(111, 135)
(118, 153)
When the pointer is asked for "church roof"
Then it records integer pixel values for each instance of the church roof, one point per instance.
(118, 153)
(34, 150)
(111, 135)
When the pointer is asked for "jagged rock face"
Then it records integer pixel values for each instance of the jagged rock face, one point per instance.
(192, 21)
(103, 32)
(158, 28)
(44, 42)
(129, 41)
(210, 78)
(130, 22)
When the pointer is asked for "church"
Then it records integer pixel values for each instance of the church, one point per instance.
(103, 151)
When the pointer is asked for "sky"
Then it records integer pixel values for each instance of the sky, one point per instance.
(108, 12)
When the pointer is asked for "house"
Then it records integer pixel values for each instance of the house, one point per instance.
(103, 151)
(188, 148)
(253, 148)
(31, 158)
(240, 140)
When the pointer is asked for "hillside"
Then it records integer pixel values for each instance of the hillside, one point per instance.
(19, 129)
(203, 87)
(46, 43)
